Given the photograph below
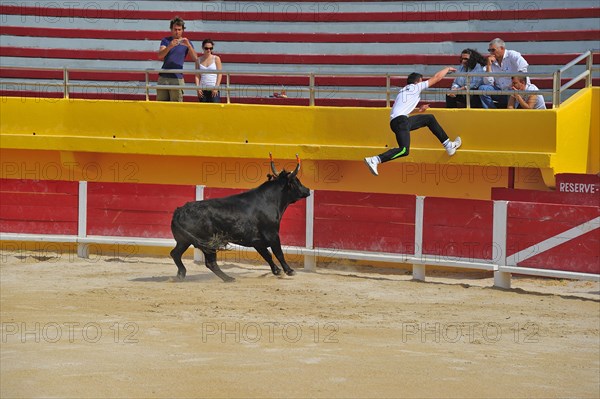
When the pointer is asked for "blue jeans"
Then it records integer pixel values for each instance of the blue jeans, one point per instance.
(488, 101)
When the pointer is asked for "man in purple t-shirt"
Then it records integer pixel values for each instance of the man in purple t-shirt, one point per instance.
(173, 50)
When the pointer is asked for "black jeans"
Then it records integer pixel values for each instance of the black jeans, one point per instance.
(402, 125)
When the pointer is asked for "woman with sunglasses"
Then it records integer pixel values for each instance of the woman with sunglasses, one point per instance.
(209, 81)
(470, 61)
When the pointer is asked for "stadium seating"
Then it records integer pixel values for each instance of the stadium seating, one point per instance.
(343, 42)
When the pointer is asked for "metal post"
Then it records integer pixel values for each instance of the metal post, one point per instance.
(83, 250)
(310, 261)
(556, 89)
(388, 87)
(65, 83)
(418, 269)
(147, 77)
(468, 84)
(311, 89)
(589, 63)
(227, 82)
(501, 278)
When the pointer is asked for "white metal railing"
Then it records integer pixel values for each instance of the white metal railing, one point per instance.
(500, 263)
(587, 75)
(311, 90)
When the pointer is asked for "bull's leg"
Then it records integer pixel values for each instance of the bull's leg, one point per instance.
(210, 259)
(176, 254)
(276, 248)
(264, 252)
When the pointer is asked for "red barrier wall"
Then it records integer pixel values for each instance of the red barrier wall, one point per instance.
(531, 223)
(536, 232)
(458, 228)
(364, 221)
(134, 210)
(33, 206)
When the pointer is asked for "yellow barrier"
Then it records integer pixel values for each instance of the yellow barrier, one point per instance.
(228, 144)
(574, 134)
(594, 136)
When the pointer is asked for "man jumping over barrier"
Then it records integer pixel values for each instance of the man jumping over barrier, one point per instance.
(401, 124)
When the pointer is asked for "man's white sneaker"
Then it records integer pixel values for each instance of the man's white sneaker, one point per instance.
(453, 146)
(371, 162)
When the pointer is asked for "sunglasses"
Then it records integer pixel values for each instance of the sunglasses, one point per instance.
(491, 50)
(208, 48)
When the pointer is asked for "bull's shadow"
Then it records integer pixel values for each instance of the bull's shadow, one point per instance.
(200, 277)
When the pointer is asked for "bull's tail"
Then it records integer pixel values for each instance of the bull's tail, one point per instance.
(215, 243)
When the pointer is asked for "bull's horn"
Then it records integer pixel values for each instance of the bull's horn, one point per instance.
(273, 165)
(295, 172)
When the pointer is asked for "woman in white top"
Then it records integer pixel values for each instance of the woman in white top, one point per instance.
(532, 101)
(209, 61)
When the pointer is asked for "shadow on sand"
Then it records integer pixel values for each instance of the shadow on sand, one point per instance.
(205, 276)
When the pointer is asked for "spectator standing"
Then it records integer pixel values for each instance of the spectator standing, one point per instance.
(401, 124)
(173, 51)
(505, 61)
(531, 101)
(470, 61)
(209, 61)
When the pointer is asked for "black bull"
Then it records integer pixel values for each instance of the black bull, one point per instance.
(250, 219)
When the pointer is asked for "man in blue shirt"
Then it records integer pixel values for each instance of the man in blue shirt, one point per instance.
(173, 51)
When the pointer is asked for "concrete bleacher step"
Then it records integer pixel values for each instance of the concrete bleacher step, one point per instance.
(394, 37)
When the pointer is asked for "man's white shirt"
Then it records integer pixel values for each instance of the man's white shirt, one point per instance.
(407, 99)
(539, 102)
(512, 62)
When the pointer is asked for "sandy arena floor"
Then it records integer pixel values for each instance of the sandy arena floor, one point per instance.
(110, 327)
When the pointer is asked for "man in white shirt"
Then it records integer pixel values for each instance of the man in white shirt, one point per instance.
(526, 101)
(401, 124)
(505, 61)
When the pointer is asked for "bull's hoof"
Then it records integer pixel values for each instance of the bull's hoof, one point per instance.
(290, 272)
(181, 276)
(228, 279)
(276, 272)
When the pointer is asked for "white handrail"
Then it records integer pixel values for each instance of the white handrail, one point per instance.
(312, 89)
(558, 89)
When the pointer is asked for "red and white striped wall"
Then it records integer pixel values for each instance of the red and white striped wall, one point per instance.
(546, 239)
(323, 37)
